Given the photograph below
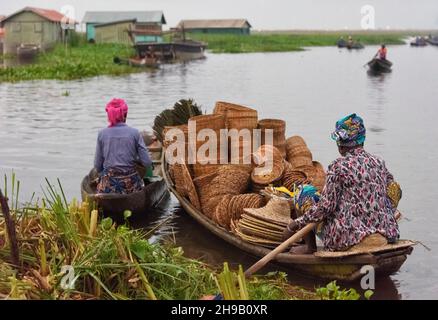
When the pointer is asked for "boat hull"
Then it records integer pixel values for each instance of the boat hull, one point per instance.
(378, 65)
(173, 51)
(346, 268)
(114, 205)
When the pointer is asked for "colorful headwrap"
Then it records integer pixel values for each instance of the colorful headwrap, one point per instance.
(350, 131)
(116, 110)
(305, 196)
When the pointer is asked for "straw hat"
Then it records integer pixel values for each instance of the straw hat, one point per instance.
(276, 211)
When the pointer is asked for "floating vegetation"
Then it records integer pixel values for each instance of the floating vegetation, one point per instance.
(283, 42)
(82, 61)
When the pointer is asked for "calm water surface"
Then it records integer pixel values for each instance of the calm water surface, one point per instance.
(46, 134)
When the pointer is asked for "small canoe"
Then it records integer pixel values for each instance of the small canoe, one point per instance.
(419, 43)
(433, 41)
(355, 45)
(114, 205)
(385, 262)
(379, 65)
(341, 43)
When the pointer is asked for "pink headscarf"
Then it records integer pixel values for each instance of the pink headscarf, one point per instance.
(116, 110)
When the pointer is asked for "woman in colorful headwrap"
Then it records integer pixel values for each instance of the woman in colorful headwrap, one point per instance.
(118, 149)
(355, 203)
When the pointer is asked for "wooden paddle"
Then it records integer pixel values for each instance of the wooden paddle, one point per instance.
(271, 255)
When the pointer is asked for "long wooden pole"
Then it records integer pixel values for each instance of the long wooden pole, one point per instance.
(262, 262)
(10, 228)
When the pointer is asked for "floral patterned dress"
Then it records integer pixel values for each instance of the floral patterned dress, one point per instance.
(354, 202)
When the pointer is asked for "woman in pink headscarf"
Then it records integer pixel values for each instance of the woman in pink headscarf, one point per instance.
(118, 149)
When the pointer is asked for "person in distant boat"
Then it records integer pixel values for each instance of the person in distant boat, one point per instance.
(119, 148)
(381, 54)
(350, 41)
(359, 201)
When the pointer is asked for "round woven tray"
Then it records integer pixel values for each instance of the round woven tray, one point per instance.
(265, 153)
(266, 176)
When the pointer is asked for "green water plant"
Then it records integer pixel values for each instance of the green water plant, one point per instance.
(66, 252)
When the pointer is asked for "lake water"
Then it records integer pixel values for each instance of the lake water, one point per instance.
(47, 133)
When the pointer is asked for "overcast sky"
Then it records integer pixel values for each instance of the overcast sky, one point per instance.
(264, 14)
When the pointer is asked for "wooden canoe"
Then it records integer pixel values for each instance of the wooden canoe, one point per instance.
(379, 65)
(338, 268)
(355, 45)
(114, 205)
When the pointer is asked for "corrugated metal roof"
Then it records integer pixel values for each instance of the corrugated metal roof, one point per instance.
(217, 23)
(51, 15)
(110, 16)
(115, 22)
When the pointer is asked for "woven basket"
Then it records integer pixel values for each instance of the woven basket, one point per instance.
(209, 206)
(261, 155)
(240, 202)
(221, 215)
(210, 121)
(237, 116)
(184, 184)
(268, 176)
(200, 170)
(319, 177)
(295, 141)
(293, 178)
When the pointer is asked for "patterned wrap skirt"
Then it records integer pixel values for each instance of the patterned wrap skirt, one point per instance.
(120, 181)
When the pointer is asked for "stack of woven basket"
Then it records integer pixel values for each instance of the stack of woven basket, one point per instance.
(303, 169)
(263, 226)
(203, 165)
(216, 190)
(238, 117)
(278, 128)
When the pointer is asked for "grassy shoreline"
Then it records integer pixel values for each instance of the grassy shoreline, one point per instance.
(83, 60)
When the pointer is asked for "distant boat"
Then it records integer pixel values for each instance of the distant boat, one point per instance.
(433, 40)
(181, 50)
(341, 43)
(419, 42)
(380, 65)
(355, 45)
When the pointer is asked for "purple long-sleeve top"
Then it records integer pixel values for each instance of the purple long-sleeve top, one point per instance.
(119, 147)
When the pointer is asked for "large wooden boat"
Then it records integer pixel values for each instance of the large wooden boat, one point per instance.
(346, 268)
(178, 50)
